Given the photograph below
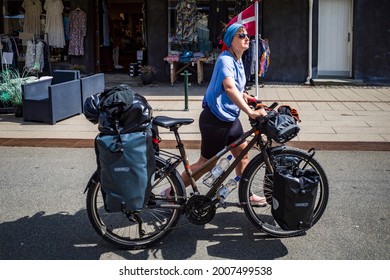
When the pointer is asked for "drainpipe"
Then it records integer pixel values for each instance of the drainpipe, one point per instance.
(309, 66)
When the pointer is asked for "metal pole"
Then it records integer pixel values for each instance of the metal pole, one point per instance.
(309, 63)
(186, 74)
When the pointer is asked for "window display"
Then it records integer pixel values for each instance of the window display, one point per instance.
(37, 29)
(194, 29)
(196, 25)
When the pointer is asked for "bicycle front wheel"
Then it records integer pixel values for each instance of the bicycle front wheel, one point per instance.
(144, 228)
(257, 180)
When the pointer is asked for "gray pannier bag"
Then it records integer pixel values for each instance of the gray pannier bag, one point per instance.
(124, 147)
(126, 168)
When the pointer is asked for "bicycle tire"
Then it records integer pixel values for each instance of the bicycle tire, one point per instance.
(256, 180)
(122, 230)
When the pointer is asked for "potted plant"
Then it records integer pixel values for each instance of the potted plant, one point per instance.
(79, 67)
(148, 73)
(11, 89)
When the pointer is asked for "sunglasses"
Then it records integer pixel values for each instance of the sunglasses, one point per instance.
(243, 35)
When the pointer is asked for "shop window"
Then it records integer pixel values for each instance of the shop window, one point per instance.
(197, 25)
(25, 21)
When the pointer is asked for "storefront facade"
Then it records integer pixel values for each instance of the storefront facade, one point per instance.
(307, 38)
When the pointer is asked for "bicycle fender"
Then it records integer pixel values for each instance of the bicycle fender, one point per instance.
(93, 179)
(183, 187)
(244, 176)
(278, 148)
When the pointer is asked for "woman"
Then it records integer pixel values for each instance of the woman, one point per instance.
(224, 99)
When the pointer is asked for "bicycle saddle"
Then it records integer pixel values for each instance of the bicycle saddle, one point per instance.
(168, 122)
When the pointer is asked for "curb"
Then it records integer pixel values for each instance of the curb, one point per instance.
(193, 144)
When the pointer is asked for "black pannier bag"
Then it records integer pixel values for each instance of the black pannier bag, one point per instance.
(124, 147)
(122, 110)
(281, 125)
(281, 128)
(293, 197)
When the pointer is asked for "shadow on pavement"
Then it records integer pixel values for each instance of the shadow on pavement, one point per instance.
(62, 236)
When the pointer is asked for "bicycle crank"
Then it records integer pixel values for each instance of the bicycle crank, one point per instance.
(200, 209)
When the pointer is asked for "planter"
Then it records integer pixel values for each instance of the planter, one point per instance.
(147, 78)
(18, 110)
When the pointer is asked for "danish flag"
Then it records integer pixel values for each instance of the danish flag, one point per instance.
(247, 18)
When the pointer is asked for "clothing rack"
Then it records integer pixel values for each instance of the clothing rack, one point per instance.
(9, 39)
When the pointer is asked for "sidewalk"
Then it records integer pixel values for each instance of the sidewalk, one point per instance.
(333, 117)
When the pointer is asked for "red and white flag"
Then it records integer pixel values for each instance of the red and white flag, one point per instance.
(247, 18)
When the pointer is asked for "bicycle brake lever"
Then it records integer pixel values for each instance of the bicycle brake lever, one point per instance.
(273, 105)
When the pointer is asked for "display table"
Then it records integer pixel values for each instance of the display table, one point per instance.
(175, 70)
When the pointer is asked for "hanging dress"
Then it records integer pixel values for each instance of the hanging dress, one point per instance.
(32, 16)
(77, 31)
(186, 20)
(54, 23)
(264, 53)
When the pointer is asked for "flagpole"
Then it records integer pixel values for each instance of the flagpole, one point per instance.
(257, 50)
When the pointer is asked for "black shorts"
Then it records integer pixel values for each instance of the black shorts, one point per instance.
(216, 134)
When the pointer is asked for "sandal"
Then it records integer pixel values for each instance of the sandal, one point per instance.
(257, 201)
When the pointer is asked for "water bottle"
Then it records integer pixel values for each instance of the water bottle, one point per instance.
(222, 165)
(230, 186)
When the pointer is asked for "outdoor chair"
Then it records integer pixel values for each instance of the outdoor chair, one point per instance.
(47, 102)
(60, 76)
(91, 85)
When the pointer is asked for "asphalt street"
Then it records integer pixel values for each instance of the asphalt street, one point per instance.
(43, 214)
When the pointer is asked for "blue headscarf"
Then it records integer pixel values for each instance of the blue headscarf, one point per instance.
(230, 32)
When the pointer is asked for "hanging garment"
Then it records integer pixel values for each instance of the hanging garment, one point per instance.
(35, 60)
(39, 62)
(10, 51)
(30, 55)
(77, 31)
(6, 51)
(218, 16)
(106, 29)
(54, 23)
(247, 60)
(32, 16)
(264, 53)
(66, 27)
(186, 20)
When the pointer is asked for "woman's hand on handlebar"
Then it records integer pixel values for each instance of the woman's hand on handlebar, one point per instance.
(258, 109)
(258, 113)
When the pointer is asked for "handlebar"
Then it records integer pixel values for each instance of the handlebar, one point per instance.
(253, 102)
(270, 111)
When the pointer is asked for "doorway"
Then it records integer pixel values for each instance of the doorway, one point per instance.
(335, 38)
(120, 34)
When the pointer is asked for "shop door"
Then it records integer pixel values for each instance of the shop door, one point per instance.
(120, 34)
(335, 38)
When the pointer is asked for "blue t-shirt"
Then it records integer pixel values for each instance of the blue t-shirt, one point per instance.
(215, 97)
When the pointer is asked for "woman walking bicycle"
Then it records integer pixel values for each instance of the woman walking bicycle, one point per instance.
(274, 173)
(224, 99)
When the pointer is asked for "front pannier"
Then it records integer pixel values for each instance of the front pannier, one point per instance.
(281, 128)
(293, 197)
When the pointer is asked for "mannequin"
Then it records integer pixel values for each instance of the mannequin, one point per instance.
(115, 57)
(116, 41)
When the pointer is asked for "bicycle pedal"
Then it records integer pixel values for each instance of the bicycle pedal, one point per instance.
(222, 204)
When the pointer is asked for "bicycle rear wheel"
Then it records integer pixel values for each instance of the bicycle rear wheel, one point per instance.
(142, 229)
(257, 180)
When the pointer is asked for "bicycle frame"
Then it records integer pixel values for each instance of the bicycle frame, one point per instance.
(257, 139)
